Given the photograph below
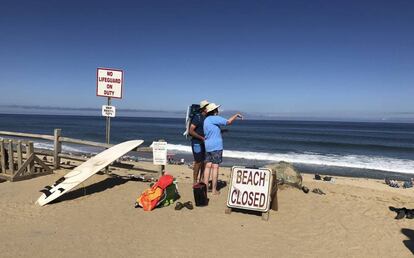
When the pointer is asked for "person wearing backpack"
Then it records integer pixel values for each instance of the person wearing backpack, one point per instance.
(214, 143)
(197, 141)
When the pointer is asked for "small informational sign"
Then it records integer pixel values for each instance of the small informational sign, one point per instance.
(109, 83)
(159, 153)
(250, 189)
(108, 111)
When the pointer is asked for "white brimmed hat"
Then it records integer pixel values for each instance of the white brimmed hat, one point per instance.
(203, 104)
(212, 106)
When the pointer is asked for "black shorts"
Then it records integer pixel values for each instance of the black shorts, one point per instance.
(199, 151)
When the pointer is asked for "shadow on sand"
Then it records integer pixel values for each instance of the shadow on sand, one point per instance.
(249, 212)
(92, 189)
(145, 170)
(410, 242)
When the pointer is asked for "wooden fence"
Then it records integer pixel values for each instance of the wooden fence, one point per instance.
(27, 164)
(58, 140)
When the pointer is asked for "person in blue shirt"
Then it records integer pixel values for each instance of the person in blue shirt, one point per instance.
(214, 143)
(197, 141)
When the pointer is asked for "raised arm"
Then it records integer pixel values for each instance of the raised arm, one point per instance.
(233, 118)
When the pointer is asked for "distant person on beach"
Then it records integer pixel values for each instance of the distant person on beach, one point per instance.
(214, 143)
(197, 141)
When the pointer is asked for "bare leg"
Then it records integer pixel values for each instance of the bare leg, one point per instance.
(207, 172)
(214, 174)
(196, 170)
(200, 177)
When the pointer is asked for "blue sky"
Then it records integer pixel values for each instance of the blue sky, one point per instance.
(291, 58)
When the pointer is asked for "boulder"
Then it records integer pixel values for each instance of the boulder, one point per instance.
(286, 174)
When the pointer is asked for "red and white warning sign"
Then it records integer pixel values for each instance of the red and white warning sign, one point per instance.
(109, 82)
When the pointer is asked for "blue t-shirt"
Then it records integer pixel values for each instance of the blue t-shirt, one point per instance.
(198, 121)
(212, 133)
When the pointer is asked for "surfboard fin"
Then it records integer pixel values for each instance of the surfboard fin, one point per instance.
(46, 192)
(60, 180)
(61, 190)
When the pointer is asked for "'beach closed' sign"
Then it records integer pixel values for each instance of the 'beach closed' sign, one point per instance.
(250, 188)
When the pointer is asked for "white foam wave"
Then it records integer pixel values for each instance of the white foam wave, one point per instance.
(351, 161)
(179, 147)
(65, 148)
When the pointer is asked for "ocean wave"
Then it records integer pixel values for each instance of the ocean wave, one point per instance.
(310, 158)
(65, 148)
(351, 161)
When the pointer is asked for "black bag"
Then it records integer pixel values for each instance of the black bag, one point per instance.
(200, 194)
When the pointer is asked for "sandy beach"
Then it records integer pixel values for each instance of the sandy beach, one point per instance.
(326, 87)
(98, 219)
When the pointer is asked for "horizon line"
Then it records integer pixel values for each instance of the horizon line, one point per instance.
(87, 111)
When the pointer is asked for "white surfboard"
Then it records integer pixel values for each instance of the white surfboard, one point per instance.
(86, 170)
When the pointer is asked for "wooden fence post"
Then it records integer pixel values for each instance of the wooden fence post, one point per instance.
(19, 154)
(2, 157)
(11, 159)
(57, 148)
(29, 152)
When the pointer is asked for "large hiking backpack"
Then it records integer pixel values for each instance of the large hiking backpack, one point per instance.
(191, 112)
(152, 197)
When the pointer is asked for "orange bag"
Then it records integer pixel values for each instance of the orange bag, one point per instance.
(150, 198)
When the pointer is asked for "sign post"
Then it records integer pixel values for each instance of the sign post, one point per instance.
(109, 84)
(250, 189)
(108, 111)
(108, 124)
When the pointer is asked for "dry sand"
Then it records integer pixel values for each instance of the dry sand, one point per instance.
(98, 219)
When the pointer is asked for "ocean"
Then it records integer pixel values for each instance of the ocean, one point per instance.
(374, 150)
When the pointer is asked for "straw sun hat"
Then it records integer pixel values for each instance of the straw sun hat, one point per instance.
(203, 104)
(211, 107)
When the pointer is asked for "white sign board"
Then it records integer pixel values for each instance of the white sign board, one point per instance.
(108, 111)
(159, 153)
(250, 189)
(109, 83)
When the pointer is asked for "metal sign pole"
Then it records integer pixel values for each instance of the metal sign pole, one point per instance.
(108, 124)
(108, 131)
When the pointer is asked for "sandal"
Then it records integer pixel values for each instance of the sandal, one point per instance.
(188, 205)
(400, 214)
(178, 206)
(318, 191)
(327, 178)
(305, 189)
